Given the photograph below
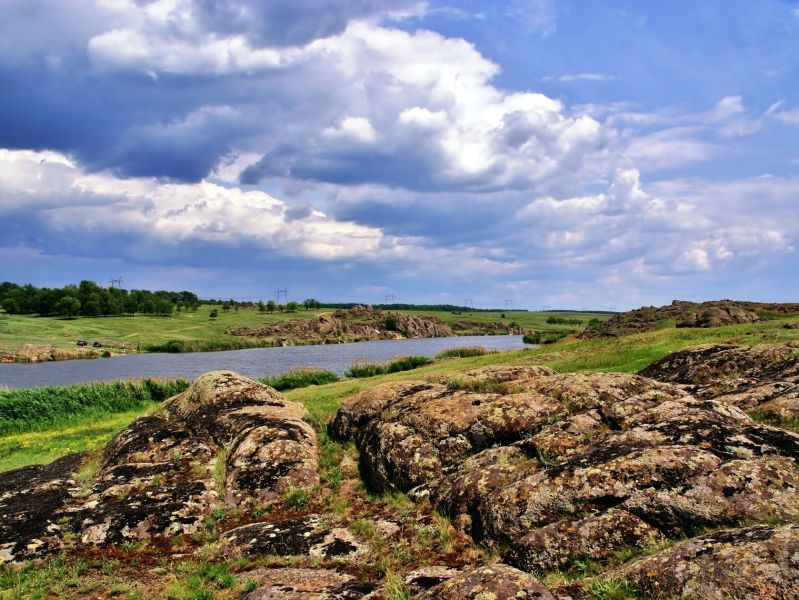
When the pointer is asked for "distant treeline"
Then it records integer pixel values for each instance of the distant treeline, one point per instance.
(431, 307)
(90, 300)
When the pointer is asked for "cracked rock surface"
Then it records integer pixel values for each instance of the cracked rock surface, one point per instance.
(156, 477)
(558, 468)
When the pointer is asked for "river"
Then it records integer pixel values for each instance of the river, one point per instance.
(254, 362)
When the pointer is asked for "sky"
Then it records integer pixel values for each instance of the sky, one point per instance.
(573, 154)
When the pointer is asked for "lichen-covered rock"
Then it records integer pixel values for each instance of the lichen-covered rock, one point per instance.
(495, 582)
(161, 475)
(580, 466)
(410, 433)
(760, 562)
(424, 578)
(299, 536)
(306, 584)
(31, 499)
(763, 379)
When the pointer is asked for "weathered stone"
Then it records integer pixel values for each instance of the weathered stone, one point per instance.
(495, 582)
(760, 562)
(31, 499)
(424, 578)
(762, 380)
(306, 584)
(584, 465)
(300, 536)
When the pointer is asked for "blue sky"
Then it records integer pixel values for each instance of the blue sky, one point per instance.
(569, 154)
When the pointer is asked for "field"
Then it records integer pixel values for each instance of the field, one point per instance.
(138, 332)
(628, 354)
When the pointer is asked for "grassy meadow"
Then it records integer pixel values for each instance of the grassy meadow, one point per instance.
(50, 439)
(187, 331)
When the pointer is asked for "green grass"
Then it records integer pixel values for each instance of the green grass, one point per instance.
(300, 377)
(191, 328)
(36, 409)
(41, 447)
(401, 363)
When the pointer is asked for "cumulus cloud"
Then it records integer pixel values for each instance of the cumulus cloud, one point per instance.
(686, 229)
(70, 200)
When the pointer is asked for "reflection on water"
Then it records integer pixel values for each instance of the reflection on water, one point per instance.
(254, 362)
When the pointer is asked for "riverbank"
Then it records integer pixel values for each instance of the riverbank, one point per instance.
(25, 338)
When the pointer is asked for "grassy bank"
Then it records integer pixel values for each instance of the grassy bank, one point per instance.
(628, 354)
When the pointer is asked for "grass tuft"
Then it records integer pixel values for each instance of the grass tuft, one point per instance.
(298, 378)
(400, 363)
(464, 352)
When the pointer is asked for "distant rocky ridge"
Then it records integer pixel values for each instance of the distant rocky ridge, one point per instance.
(663, 480)
(366, 323)
(687, 314)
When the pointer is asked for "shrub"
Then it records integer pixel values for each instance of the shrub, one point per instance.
(390, 323)
(544, 338)
(301, 377)
(563, 321)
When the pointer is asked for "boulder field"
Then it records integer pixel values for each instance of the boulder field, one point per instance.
(682, 481)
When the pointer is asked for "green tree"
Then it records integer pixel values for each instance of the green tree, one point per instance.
(225, 306)
(214, 314)
(11, 306)
(271, 306)
(292, 306)
(68, 307)
(261, 307)
(92, 306)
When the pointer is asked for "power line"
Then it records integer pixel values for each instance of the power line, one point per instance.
(117, 283)
(388, 297)
(508, 304)
(281, 292)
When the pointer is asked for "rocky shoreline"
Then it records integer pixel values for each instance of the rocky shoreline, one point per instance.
(682, 481)
(364, 323)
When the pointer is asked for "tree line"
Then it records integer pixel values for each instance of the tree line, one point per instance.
(91, 300)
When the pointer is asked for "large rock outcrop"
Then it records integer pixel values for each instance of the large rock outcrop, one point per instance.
(715, 313)
(367, 323)
(559, 468)
(762, 380)
(226, 441)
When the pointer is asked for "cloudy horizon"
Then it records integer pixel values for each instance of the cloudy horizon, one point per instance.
(568, 155)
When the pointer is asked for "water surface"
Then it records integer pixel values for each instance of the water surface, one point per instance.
(254, 362)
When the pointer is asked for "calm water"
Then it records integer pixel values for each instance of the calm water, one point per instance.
(255, 362)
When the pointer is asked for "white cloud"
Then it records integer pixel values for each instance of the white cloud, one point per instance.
(580, 77)
(173, 213)
(687, 226)
(790, 117)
